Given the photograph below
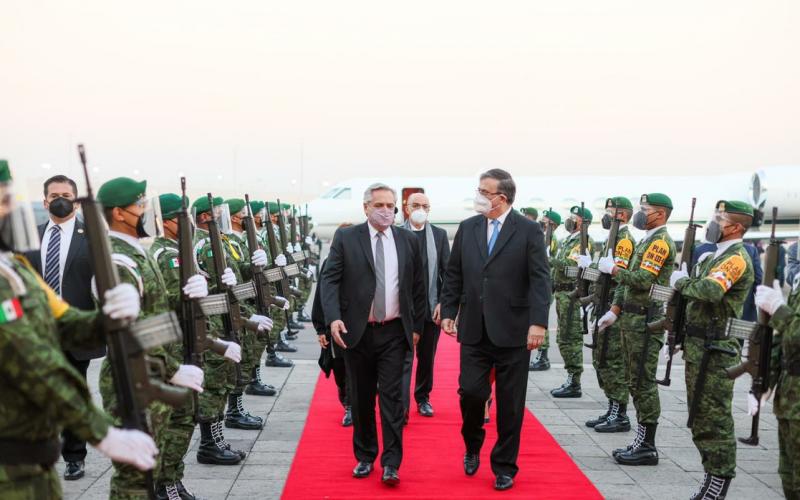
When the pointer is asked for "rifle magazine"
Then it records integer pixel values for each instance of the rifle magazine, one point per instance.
(214, 305)
(157, 330)
(661, 293)
(244, 291)
(741, 329)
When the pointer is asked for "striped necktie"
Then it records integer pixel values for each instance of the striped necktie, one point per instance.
(52, 263)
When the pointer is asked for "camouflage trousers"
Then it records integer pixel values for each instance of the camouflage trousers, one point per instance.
(570, 335)
(643, 389)
(712, 430)
(305, 292)
(29, 482)
(250, 359)
(613, 377)
(128, 483)
(217, 383)
(176, 439)
(789, 458)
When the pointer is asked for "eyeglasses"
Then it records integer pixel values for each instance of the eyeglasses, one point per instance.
(417, 206)
(484, 192)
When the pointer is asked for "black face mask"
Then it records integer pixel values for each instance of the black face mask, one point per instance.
(606, 221)
(714, 232)
(570, 225)
(640, 220)
(141, 232)
(6, 235)
(61, 207)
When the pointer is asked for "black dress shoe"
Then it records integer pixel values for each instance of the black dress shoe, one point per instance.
(276, 360)
(503, 482)
(425, 409)
(347, 420)
(362, 470)
(471, 463)
(74, 470)
(283, 346)
(390, 476)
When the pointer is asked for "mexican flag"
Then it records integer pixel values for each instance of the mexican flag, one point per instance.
(174, 263)
(10, 310)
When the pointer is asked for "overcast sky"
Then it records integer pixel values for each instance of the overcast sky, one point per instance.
(251, 90)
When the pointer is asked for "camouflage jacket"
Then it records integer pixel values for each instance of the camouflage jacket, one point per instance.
(567, 255)
(165, 252)
(623, 252)
(652, 262)
(41, 391)
(786, 348)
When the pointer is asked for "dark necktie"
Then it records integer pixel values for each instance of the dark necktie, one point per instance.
(52, 263)
(379, 305)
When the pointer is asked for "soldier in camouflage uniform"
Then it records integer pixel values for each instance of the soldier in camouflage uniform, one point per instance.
(541, 362)
(530, 212)
(717, 291)
(652, 262)
(220, 373)
(278, 344)
(785, 378)
(178, 434)
(570, 323)
(41, 392)
(124, 204)
(613, 376)
(305, 281)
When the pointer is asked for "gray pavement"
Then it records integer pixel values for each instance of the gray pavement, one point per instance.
(263, 473)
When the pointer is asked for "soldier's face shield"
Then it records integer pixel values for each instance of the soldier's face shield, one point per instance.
(222, 213)
(18, 230)
(153, 222)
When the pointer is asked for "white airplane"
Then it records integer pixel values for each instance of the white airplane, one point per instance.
(451, 198)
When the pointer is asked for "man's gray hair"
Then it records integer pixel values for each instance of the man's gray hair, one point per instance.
(505, 184)
(378, 186)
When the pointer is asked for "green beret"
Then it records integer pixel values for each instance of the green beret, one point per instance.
(272, 207)
(121, 192)
(619, 202)
(285, 206)
(256, 206)
(585, 215)
(170, 204)
(5, 171)
(200, 205)
(235, 205)
(553, 216)
(735, 207)
(530, 211)
(657, 200)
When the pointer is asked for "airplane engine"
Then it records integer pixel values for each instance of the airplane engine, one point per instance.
(776, 187)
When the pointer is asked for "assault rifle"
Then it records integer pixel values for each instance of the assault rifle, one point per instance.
(581, 284)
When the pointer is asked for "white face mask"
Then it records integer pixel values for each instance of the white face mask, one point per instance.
(483, 205)
(419, 216)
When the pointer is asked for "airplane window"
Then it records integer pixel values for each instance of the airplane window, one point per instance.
(332, 193)
(344, 194)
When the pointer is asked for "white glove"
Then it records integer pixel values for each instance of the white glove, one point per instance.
(309, 240)
(606, 320)
(297, 247)
(228, 277)
(129, 446)
(233, 352)
(122, 302)
(285, 305)
(584, 260)
(289, 248)
(606, 265)
(280, 260)
(259, 258)
(665, 350)
(309, 273)
(753, 405)
(769, 299)
(188, 376)
(263, 322)
(678, 275)
(196, 287)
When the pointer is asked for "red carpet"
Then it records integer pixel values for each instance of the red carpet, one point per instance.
(432, 455)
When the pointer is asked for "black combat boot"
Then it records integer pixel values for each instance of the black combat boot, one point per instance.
(186, 494)
(569, 389)
(168, 492)
(219, 436)
(292, 324)
(303, 317)
(713, 488)
(617, 420)
(275, 359)
(257, 387)
(211, 450)
(289, 334)
(237, 417)
(602, 418)
(643, 449)
(284, 346)
(540, 363)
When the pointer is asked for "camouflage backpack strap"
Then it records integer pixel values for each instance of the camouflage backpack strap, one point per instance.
(14, 279)
(129, 265)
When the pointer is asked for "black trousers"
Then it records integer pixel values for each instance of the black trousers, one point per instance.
(375, 367)
(72, 448)
(511, 382)
(426, 352)
(340, 376)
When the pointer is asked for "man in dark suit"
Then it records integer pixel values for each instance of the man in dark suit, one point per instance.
(498, 277)
(435, 250)
(373, 298)
(66, 265)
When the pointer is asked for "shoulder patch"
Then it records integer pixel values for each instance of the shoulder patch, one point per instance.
(654, 257)
(623, 252)
(727, 273)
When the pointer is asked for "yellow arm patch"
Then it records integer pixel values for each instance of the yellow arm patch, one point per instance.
(575, 251)
(623, 252)
(728, 272)
(58, 306)
(655, 256)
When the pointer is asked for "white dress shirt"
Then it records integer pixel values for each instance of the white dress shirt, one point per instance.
(490, 227)
(66, 229)
(391, 273)
(725, 245)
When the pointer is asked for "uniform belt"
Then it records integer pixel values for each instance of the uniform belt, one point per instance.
(703, 332)
(791, 367)
(44, 452)
(564, 287)
(378, 324)
(634, 309)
